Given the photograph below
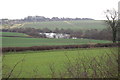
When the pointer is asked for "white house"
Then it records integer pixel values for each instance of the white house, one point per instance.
(74, 38)
(56, 35)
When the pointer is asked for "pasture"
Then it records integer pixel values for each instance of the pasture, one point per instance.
(13, 34)
(28, 42)
(37, 64)
(74, 25)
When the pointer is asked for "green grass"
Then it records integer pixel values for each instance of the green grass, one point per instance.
(0, 66)
(40, 60)
(74, 25)
(27, 42)
(13, 34)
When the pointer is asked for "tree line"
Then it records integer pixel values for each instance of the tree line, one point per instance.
(105, 34)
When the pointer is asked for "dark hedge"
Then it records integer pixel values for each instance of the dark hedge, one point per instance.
(37, 48)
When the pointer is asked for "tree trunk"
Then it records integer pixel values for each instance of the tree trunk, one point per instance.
(114, 36)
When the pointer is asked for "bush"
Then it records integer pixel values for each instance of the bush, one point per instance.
(105, 66)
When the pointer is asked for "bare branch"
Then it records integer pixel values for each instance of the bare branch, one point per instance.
(14, 68)
(112, 18)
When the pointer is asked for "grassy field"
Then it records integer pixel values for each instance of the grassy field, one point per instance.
(36, 63)
(0, 66)
(74, 25)
(27, 42)
(13, 34)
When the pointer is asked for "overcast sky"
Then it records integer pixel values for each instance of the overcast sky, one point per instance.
(17, 9)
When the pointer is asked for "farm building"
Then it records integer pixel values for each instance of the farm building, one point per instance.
(56, 35)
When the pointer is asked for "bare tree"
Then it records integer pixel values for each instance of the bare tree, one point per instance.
(112, 21)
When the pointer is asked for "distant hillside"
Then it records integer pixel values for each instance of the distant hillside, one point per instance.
(74, 25)
(37, 19)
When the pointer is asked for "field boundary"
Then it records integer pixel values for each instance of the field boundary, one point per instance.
(37, 48)
(17, 36)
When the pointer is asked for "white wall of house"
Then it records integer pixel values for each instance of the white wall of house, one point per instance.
(56, 35)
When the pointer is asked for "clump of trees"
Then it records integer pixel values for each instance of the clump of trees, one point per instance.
(42, 18)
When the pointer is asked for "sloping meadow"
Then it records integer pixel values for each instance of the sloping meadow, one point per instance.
(72, 63)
